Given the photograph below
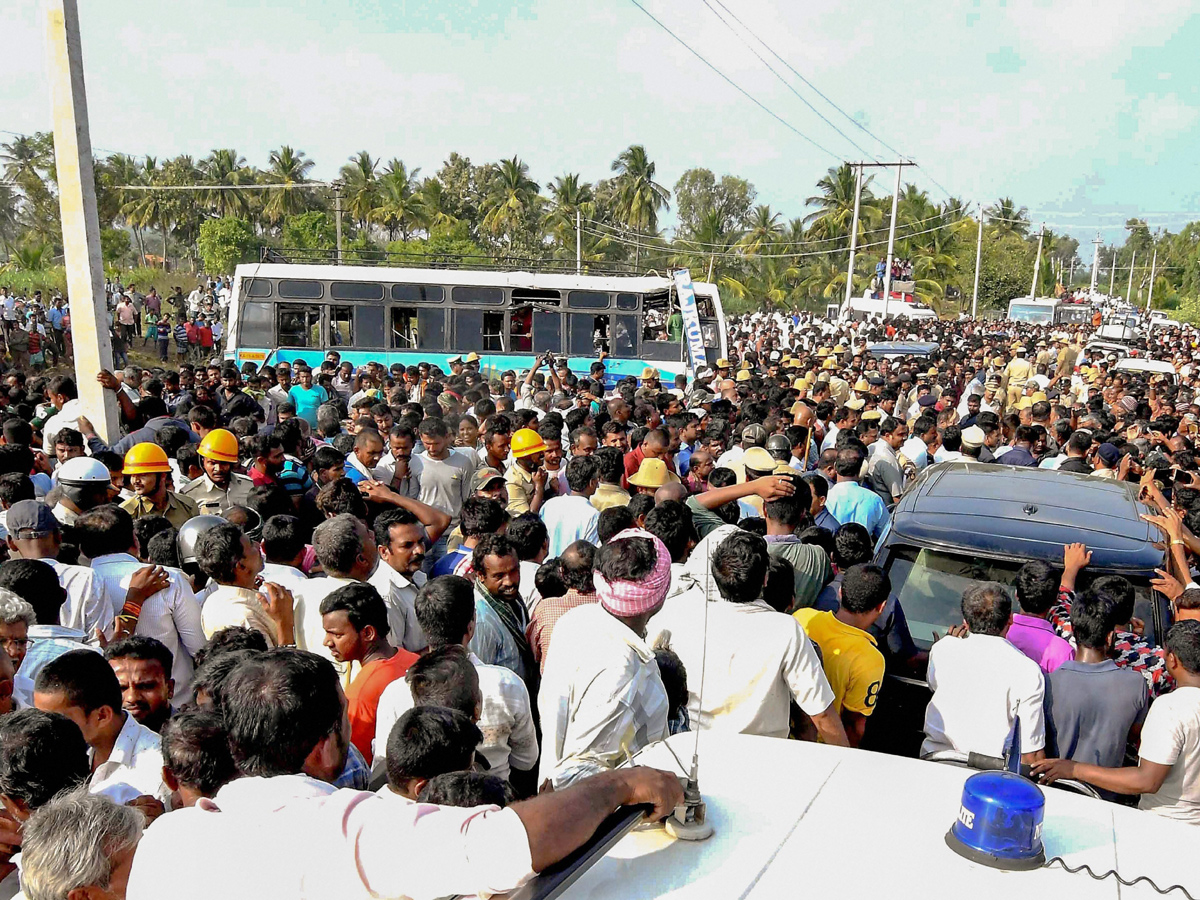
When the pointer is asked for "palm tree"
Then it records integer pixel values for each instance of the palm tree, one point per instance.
(764, 229)
(569, 195)
(145, 208)
(361, 186)
(512, 201)
(1007, 218)
(638, 196)
(399, 203)
(835, 206)
(225, 167)
(180, 209)
(288, 167)
(30, 257)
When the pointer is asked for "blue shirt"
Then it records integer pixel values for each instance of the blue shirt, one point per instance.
(827, 521)
(683, 459)
(55, 318)
(308, 401)
(448, 563)
(849, 501)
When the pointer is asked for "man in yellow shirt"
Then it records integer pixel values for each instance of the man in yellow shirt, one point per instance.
(852, 662)
(1016, 373)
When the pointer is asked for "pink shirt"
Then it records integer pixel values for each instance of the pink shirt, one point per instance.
(1036, 639)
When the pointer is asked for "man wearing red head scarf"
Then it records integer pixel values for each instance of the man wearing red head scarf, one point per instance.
(602, 696)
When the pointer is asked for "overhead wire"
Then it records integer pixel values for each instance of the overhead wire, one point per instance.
(783, 80)
(774, 115)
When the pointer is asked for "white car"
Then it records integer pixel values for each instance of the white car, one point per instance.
(1146, 367)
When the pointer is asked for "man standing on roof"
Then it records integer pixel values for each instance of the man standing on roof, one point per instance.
(219, 488)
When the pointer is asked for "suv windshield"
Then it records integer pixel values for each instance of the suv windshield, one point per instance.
(929, 585)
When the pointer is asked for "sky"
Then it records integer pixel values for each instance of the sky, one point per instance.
(1085, 112)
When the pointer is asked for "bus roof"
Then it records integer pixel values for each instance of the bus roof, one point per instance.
(638, 284)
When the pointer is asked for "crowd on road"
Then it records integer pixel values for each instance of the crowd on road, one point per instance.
(411, 624)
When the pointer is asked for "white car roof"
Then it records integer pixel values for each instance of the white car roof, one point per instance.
(802, 819)
(1134, 364)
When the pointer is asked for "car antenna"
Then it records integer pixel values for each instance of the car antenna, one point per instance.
(689, 821)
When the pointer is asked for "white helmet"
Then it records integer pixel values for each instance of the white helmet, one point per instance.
(189, 535)
(83, 470)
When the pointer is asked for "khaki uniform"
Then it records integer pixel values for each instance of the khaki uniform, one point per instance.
(520, 489)
(178, 509)
(1016, 373)
(211, 500)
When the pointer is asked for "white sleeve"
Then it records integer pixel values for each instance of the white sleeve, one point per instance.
(522, 741)
(1162, 734)
(1033, 719)
(804, 675)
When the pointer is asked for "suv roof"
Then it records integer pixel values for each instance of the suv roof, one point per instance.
(903, 348)
(1010, 512)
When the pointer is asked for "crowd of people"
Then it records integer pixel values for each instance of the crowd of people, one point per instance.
(372, 631)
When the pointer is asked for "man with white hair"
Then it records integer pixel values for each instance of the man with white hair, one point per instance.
(79, 845)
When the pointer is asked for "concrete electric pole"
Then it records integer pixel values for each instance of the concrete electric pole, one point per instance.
(80, 224)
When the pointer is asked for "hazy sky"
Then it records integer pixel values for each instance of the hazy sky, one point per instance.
(1085, 112)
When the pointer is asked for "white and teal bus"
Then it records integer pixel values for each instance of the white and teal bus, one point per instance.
(285, 311)
(1035, 312)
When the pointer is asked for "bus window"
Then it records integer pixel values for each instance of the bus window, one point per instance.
(704, 306)
(520, 330)
(589, 334)
(418, 329)
(547, 332)
(625, 337)
(300, 290)
(368, 326)
(478, 330)
(341, 329)
(355, 290)
(587, 300)
(256, 325)
(298, 326)
(258, 287)
(627, 301)
(485, 296)
(655, 309)
(418, 293)
(709, 332)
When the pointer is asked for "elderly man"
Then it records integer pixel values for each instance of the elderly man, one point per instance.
(602, 696)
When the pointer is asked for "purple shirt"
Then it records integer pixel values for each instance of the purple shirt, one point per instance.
(1036, 639)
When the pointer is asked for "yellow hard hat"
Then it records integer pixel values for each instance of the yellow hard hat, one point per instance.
(839, 349)
(861, 385)
(653, 473)
(526, 442)
(830, 363)
(1039, 397)
(219, 445)
(144, 459)
(743, 375)
(822, 352)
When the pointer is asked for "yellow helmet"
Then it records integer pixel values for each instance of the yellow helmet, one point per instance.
(526, 442)
(145, 459)
(219, 445)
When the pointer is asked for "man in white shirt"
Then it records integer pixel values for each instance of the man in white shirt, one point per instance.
(126, 759)
(400, 543)
(170, 615)
(758, 659)
(35, 533)
(602, 696)
(446, 610)
(65, 397)
(573, 518)
(283, 831)
(981, 683)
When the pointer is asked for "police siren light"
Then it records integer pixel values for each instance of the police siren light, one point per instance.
(999, 821)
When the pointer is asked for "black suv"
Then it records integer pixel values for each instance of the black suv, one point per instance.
(962, 522)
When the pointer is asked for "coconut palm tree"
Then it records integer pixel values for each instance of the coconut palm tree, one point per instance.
(437, 204)
(764, 230)
(361, 186)
(288, 167)
(227, 168)
(512, 203)
(1007, 218)
(399, 205)
(146, 208)
(834, 212)
(638, 196)
(568, 195)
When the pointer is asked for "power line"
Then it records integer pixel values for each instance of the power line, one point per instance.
(294, 185)
(812, 86)
(785, 82)
(782, 121)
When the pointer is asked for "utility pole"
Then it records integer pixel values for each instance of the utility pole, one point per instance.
(1037, 263)
(337, 209)
(887, 273)
(1150, 296)
(1112, 274)
(1095, 262)
(978, 257)
(80, 223)
(578, 244)
(1129, 290)
(854, 232)
(1071, 277)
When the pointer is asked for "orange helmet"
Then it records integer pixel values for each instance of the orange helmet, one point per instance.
(144, 459)
(526, 442)
(220, 445)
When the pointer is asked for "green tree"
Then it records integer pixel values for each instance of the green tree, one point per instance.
(226, 170)
(1004, 272)
(399, 203)
(702, 202)
(638, 196)
(114, 245)
(1005, 218)
(224, 243)
(361, 186)
(290, 168)
(512, 205)
(312, 230)
(834, 213)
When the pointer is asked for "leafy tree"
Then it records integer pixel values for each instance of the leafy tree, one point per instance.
(227, 168)
(313, 230)
(704, 203)
(638, 196)
(512, 205)
(1005, 271)
(224, 243)
(1005, 218)
(361, 186)
(399, 203)
(834, 213)
(114, 245)
(290, 168)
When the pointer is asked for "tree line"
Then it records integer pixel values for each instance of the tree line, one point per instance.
(496, 213)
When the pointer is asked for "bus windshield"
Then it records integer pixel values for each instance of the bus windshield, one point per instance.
(1033, 313)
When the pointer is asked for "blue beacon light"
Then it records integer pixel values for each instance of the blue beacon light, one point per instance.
(999, 821)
